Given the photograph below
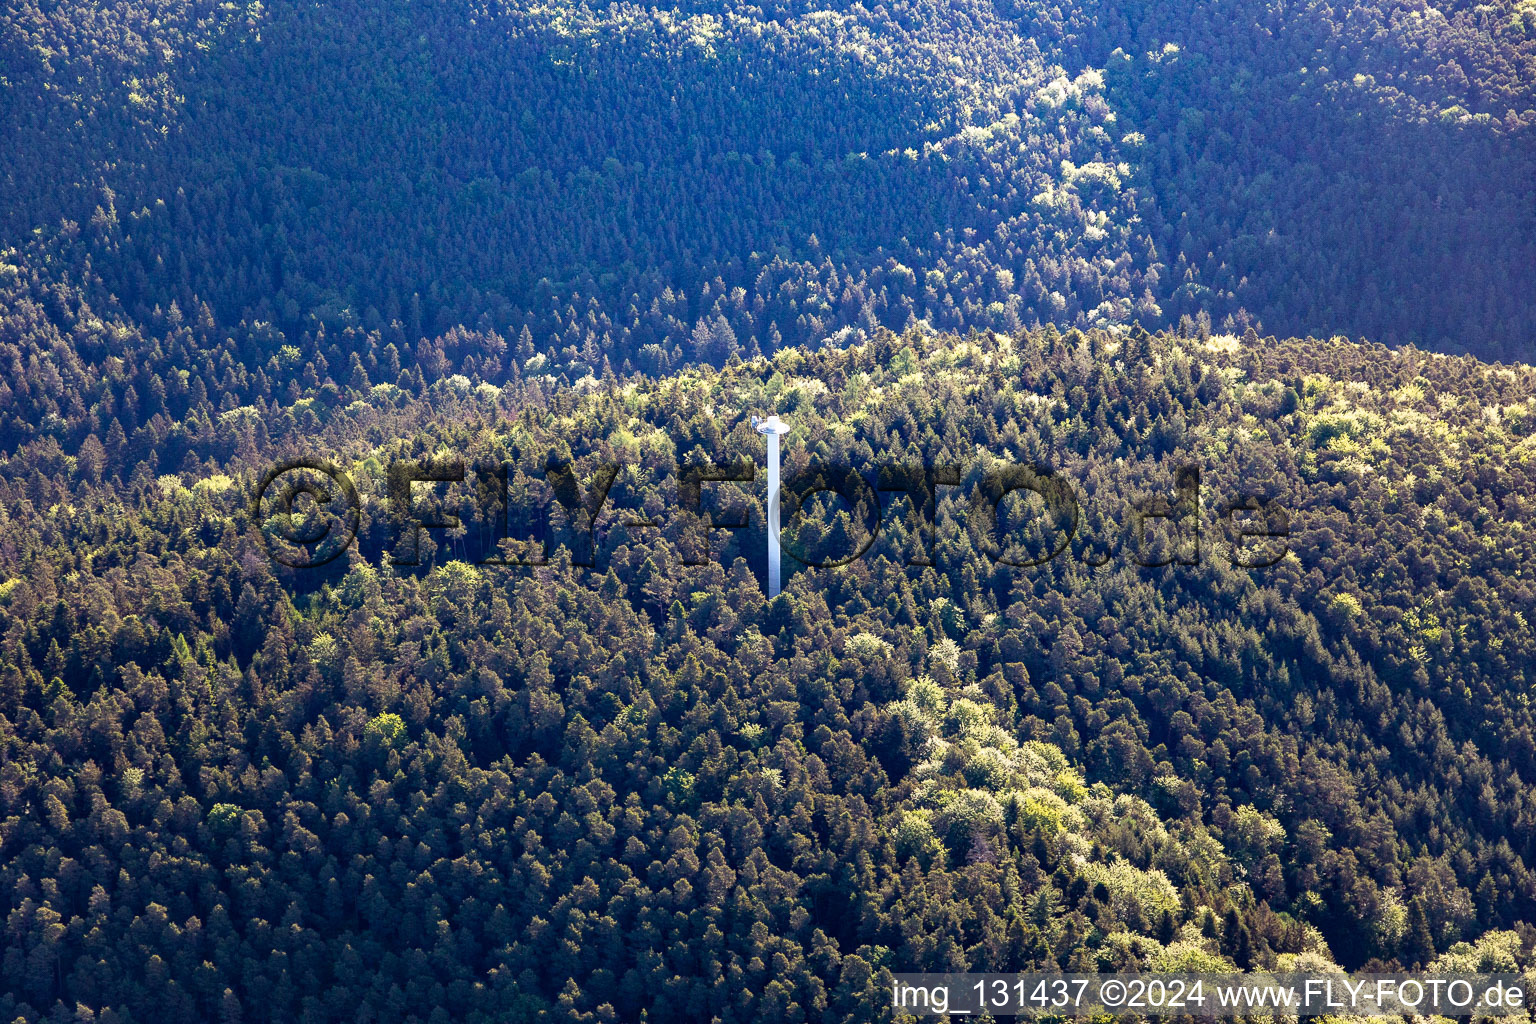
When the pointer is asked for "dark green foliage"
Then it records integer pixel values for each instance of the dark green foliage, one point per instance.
(663, 185)
(365, 793)
(523, 234)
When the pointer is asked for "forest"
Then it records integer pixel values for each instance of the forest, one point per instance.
(1246, 275)
(465, 791)
(664, 185)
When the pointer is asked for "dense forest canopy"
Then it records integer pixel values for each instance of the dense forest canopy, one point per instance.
(462, 791)
(1123, 244)
(691, 179)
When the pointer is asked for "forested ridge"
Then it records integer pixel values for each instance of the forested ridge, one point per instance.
(464, 791)
(665, 185)
(1116, 247)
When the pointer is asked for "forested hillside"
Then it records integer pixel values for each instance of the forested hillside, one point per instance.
(230, 790)
(1114, 251)
(660, 185)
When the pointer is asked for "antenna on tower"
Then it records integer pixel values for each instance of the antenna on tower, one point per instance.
(772, 428)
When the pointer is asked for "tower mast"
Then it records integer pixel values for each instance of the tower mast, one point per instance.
(772, 428)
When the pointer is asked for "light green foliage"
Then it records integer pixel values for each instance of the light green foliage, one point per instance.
(1189, 957)
(223, 817)
(868, 645)
(1252, 834)
(1497, 952)
(388, 728)
(1346, 606)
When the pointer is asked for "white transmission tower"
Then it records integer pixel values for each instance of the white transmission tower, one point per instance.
(772, 427)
